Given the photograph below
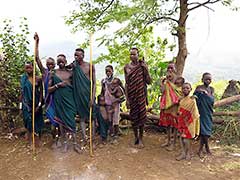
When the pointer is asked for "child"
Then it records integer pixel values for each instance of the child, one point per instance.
(205, 101)
(102, 119)
(188, 121)
(168, 105)
(118, 97)
(26, 98)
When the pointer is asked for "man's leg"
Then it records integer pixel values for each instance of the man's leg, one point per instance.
(65, 139)
(168, 137)
(183, 153)
(141, 130)
(135, 130)
(202, 142)
(207, 145)
(76, 146)
(187, 143)
(83, 131)
(173, 132)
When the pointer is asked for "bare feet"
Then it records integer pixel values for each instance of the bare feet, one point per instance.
(171, 147)
(188, 157)
(77, 148)
(181, 157)
(140, 144)
(165, 144)
(200, 154)
(136, 142)
(65, 147)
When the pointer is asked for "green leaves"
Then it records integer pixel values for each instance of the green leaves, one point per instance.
(14, 47)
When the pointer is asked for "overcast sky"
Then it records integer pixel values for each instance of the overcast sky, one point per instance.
(212, 37)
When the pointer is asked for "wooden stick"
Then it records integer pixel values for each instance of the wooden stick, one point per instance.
(33, 99)
(227, 113)
(91, 98)
(227, 100)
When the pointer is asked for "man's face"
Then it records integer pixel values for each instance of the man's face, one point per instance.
(29, 68)
(186, 89)
(134, 55)
(61, 61)
(171, 68)
(207, 79)
(109, 71)
(50, 64)
(78, 55)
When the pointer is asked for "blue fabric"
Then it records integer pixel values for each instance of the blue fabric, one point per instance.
(49, 102)
(205, 108)
(26, 88)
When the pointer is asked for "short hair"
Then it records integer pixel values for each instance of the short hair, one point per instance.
(29, 63)
(187, 83)
(182, 78)
(62, 55)
(109, 66)
(206, 73)
(80, 49)
(134, 48)
(51, 58)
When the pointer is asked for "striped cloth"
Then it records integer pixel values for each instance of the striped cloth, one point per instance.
(137, 96)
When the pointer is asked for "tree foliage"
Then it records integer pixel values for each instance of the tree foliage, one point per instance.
(135, 17)
(14, 46)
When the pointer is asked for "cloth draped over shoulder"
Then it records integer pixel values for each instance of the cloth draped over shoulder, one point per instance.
(26, 89)
(169, 104)
(81, 92)
(137, 95)
(205, 107)
(49, 102)
(188, 118)
(65, 109)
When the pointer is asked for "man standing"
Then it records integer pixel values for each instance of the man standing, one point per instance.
(81, 89)
(137, 77)
(61, 86)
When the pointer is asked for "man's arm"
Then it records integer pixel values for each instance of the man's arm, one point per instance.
(146, 73)
(39, 63)
(126, 85)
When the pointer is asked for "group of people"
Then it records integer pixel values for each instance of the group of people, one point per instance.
(184, 115)
(67, 94)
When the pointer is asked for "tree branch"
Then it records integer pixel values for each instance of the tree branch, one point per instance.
(104, 10)
(204, 4)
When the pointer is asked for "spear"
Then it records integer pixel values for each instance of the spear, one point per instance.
(91, 98)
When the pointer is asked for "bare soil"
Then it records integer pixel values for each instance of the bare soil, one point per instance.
(115, 161)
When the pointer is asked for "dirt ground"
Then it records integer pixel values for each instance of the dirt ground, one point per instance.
(115, 161)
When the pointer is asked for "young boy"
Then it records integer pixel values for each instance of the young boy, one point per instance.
(188, 121)
(102, 119)
(118, 97)
(26, 98)
(205, 101)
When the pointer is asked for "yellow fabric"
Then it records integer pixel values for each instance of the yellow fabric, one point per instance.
(189, 103)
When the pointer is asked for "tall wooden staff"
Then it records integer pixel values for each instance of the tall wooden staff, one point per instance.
(91, 98)
(33, 98)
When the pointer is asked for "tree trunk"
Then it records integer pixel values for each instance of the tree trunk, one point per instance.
(181, 34)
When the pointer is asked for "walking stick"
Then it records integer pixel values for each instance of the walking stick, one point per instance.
(33, 99)
(91, 98)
